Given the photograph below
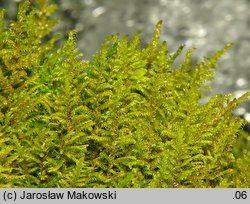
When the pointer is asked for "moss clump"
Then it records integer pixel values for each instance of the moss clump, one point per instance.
(128, 118)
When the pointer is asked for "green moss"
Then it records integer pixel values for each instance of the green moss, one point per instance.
(127, 118)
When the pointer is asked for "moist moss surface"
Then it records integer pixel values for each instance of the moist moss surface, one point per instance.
(127, 118)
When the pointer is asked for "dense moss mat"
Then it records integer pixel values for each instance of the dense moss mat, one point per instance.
(127, 118)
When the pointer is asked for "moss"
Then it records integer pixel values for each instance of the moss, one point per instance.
(127, 118)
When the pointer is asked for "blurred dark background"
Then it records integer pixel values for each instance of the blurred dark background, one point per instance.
(205, 24)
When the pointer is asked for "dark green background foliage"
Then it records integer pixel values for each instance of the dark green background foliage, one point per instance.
(128, 118)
